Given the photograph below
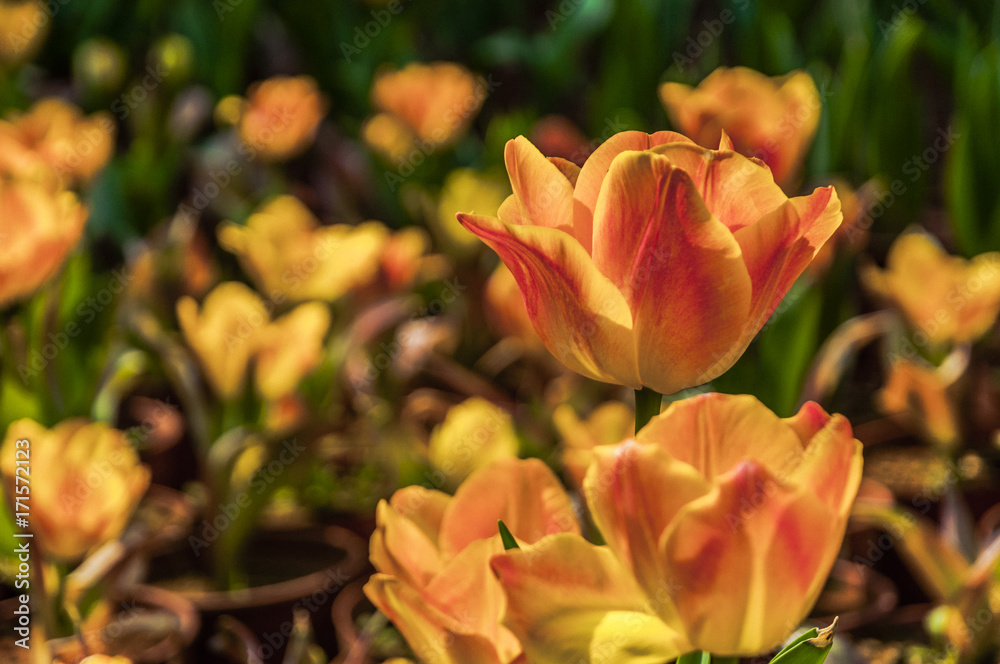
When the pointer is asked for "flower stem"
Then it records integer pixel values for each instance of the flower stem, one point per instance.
(647, 404)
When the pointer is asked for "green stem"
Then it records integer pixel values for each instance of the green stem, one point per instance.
(647, 404)
(695, 657)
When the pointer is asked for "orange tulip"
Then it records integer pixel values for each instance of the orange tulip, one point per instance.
(774, 119)
(435, 101)
(54, 133)
(432, 554)
(23, 27)
(657, 262)
(86, 480)
(729, 560)
(945, 298)
(38, 229)
(281, 116)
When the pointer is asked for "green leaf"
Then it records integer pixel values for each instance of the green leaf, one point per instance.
(508, 540)
(696, 657)
(812, 647)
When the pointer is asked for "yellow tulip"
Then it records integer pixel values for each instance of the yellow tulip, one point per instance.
(224, 334)
(946, 299)
(39, 226)
(729, 560)
(657, 262)
(281, 116)
(290, 348)
(466, 189)
(609, 424)
(289, 255)
(86, 481)
(474, 434)
(432, 551)
(773, 119)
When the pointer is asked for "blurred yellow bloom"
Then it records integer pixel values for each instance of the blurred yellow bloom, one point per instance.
(474, 434)
(944, 298)
(609, 424)
(435, 103)
(773, 119)
(38, 229)
(23, 27)
(86, 480)
(290, 348)
(225, 334)
(432, 551)
(402, 257)
(55, 133)
(466, 190)
(387, 135)
(722, 522)
(504, 307)
(105, 659)
(288, 254)
(920, 393)
(281, 116)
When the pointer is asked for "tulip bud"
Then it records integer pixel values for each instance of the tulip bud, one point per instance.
(86, 480)
(98, 66)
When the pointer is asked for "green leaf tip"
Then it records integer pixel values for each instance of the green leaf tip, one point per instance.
(508, 540)
(812, 647)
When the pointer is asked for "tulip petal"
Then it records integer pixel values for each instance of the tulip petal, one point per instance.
(736, 190)
(714, 433)
(782, 243)
(524, 493)
(567, 168)
(727, 548)
(678, 267)
(559, 590)
(543, 193)
(578, 313)
(592, 175)
(806, 423)
(624, 489)
(400, 548)
(467, 589)
(831, 465)
(433, 635)
(424, 507)
(629, 637)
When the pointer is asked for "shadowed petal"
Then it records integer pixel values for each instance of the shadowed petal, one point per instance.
(578, 313)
